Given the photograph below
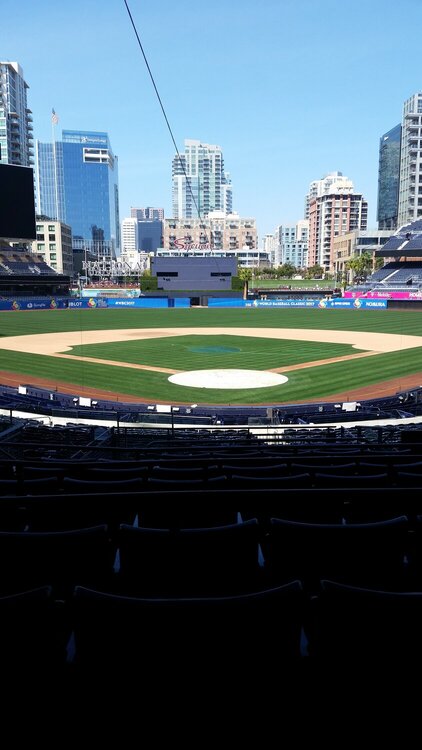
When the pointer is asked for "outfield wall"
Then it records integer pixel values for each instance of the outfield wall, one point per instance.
(184, 302)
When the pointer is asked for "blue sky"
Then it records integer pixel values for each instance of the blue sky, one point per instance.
(290, 89)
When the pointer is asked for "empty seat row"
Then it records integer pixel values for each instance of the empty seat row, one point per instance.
(245, 640)
(235, 558)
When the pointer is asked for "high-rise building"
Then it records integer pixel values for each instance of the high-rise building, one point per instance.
(293, 244)
(77, 183)
(388, 178)
(149, 228)
(410, 185)
(147, 214)
(333, 182)
(200, 184)
(331, 214)
(270, 247)
(129, 239)
(16, 139)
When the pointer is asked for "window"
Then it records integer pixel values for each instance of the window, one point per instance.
(40, 237)
(51, 228)
(40, 246)
(52, 237)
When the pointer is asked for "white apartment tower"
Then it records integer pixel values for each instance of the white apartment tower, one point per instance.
(293, 244)
(16, 139)
(333, 182)
(270, 246)
(410, 185)
(200, 184)
(129, 235)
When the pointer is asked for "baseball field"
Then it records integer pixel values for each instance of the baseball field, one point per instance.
(130, 354)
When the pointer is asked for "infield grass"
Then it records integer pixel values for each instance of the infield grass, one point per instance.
(313, 382)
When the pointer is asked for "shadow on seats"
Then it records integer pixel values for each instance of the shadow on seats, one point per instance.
(247, 637)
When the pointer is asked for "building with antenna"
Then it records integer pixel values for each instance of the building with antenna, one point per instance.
(200, 183)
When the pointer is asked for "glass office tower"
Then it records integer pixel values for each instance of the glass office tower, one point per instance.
(388, 178)
(77, 183)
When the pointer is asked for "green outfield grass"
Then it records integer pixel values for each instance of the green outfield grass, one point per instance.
(317, 382)
(49, 321)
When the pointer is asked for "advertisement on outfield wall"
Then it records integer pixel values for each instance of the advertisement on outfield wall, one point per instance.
(93, 303)
(33, 304)
(322, 304)
(383, 294)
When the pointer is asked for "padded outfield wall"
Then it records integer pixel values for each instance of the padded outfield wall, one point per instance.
(167, 302)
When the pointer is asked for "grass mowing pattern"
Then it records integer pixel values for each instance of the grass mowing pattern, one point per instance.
(51, 321)
(175, 352)
(318, 382)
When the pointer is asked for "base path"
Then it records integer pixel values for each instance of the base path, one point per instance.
(58, 343)
(61, 344)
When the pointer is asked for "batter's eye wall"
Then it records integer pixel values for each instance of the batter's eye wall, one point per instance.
(195, 274)
(17, 204)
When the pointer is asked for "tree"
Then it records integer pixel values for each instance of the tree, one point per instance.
(285, 271)
(361, 265)
(245, 274)
(315, 271)
(266, 272)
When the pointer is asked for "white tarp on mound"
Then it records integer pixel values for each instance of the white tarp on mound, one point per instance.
(233, 379)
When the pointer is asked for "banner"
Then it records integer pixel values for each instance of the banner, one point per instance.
(322, 304)
(384, 294)
(34, 304)
(139, 302)
(87, 304)
(225, 302)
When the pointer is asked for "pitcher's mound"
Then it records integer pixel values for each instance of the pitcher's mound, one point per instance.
(233, 379)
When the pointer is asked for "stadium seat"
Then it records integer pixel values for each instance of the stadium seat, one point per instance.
(190, 562)
(61, 558)
(33, 636)
(229, 639)
(363, 628)
(362, 554)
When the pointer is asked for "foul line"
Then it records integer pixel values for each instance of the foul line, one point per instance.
(116, 364)
(319, 362)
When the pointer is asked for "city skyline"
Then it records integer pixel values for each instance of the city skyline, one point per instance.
(289, 95)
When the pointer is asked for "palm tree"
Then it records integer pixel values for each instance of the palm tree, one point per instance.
(245, 274)
(361, 265)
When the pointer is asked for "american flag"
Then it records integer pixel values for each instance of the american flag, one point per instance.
(54, 118)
